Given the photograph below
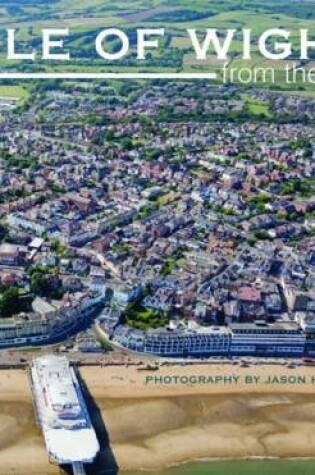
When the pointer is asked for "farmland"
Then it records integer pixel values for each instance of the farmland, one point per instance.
(87, 18)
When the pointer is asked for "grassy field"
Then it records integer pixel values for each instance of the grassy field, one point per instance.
(17, 93)
(256, 107)
(86, 17)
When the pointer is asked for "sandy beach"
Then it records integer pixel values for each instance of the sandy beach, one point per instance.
(184, 413)
(22, 449)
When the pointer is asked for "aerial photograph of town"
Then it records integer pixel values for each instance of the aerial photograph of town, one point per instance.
(157, 237)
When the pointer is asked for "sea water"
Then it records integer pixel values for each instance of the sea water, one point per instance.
(257, 467)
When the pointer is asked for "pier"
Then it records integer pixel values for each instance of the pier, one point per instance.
(61, 412)
(78, 468)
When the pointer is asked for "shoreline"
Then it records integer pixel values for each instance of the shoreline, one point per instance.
(210, 460)
(160, 426)
(212, 422)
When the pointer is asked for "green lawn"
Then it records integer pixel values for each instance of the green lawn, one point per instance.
(18, 93)
(256, 107)
(137, 316)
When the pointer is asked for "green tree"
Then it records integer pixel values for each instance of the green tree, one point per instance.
(10, 303)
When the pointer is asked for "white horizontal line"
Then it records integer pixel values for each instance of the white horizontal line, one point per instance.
(108, 75)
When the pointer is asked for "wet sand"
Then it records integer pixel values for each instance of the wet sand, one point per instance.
(22, 449)
(152, 426)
